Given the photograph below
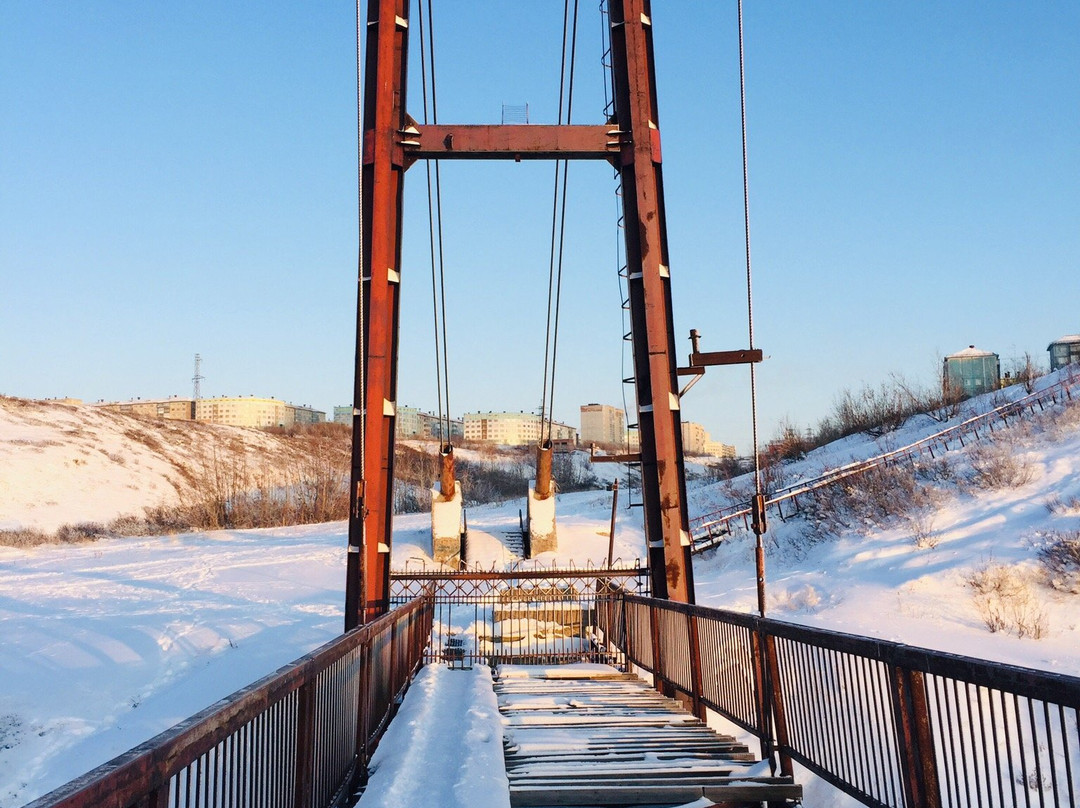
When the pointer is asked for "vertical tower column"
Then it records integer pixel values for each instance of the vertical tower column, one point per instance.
(663, 483)
(367, 590)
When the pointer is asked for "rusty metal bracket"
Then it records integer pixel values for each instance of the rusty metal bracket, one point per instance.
(626, 457)
(700, 361)
(741, 357)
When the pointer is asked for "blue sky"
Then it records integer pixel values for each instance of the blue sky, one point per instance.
(180, 179)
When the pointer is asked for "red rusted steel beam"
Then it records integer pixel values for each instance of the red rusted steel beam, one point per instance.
(667, 527)
(740, 357)
(509, 142)
(367, 592)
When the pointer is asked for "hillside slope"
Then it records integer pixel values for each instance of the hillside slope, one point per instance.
(63, 464)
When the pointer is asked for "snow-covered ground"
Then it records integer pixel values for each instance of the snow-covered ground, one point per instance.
(444, 747)
(105, 644)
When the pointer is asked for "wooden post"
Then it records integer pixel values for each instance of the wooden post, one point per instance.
(614, 510)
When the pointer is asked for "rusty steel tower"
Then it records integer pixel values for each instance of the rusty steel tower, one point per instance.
(391, 142)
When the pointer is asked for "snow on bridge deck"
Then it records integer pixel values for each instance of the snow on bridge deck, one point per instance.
(574, 735)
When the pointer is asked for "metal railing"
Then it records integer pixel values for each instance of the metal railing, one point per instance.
(709, 529)
(298, 738)
(889, 724)
(538, 616)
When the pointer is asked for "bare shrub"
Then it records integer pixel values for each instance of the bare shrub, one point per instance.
(166, 519)
(871, 499)
(127, 525)
(1005, 601)
(1057, 506)
(789, 443)
(882, 409)
(995, 466)
(921, 524)
(81, 532)
(877, 411)
(23, 537)
(1060, 560)
(1024, 371)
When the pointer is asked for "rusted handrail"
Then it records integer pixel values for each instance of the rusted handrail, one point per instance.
(298, 737)
(890, 724)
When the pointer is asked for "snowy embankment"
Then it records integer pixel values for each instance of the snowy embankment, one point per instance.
(105, 644)
(64, 464)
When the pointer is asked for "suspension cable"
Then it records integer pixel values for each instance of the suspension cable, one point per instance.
(435, 231)
(557, 241)
(749, 274)
(442, 263)
(431, 221)
(562, 224)
(759, 497)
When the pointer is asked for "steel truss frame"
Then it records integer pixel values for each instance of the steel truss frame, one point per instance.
(392, 141)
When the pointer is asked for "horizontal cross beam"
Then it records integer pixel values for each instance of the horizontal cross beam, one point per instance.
(510, 142)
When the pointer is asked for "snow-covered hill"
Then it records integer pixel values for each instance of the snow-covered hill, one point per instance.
(64, 464)
(106, 643)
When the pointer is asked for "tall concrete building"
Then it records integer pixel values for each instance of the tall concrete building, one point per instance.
(696, 440)
(603, 425)
(694, 437)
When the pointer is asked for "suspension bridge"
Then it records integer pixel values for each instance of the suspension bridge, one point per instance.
(613, 686)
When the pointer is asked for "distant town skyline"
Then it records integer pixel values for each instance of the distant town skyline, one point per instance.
(181, 180)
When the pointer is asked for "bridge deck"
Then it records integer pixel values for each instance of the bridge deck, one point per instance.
(588, 735)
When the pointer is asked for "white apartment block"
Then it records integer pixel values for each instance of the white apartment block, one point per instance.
(511, 428)
(718, 449)
(603, 425)
(693, 438)
(696, 440)
(241, 411)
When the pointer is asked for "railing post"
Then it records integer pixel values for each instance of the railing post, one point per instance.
(917, 758)
(695, 666)
(363, 715)
(305, 744)
(783, 743)
(761, 692)
(657, 657)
